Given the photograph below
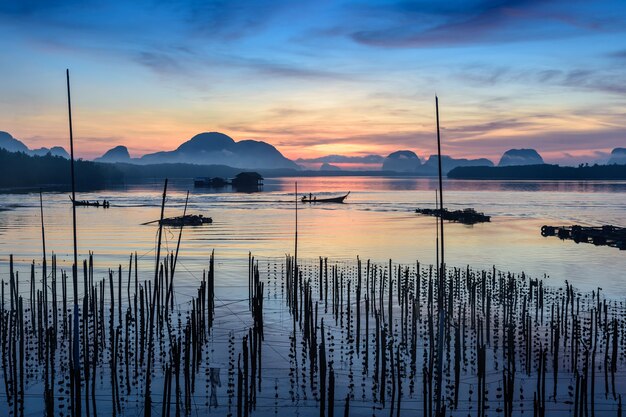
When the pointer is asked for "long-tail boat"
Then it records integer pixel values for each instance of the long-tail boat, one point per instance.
(314, 199)
(87, 203)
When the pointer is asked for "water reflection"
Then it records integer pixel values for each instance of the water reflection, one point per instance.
(377, 222)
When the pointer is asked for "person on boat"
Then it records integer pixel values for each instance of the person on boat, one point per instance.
(310, 197)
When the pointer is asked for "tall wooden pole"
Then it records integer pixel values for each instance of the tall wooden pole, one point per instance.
(44, 265)
(437, 231)
(43, 231)
(76, 346)
(441, 276)
(148, 395)
(296, 232)
(180, 234)
(440, 183)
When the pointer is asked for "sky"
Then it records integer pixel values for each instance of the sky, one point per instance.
(316, 78)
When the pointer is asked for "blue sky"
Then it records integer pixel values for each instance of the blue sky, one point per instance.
(319, 77)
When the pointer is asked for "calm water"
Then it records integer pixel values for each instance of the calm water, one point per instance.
(377, 222)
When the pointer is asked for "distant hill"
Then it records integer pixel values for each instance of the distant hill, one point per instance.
(117, 154)
(343, 159)
(408, 162)
(541, 172)
(618, 156)
(329, 167)
(9, 143)
(514, 157)
(217, 148)
(401, 161)
(431, 166)
(54, 151)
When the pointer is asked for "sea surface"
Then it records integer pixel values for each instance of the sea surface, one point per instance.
(377, 222)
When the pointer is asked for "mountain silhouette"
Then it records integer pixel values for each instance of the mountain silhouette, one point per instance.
(618, 156)
(54, 151)
(409, 162)
(11, 144)
(217, 148)
(401, 161)
(431, 166)
(117, 154)
(514, 157)
(329, 167)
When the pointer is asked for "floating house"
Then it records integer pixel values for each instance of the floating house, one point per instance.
(247, 181)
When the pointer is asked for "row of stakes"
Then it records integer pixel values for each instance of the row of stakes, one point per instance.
(361, 336)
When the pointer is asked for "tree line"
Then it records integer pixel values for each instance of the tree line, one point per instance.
(541, 172)
(18, 169)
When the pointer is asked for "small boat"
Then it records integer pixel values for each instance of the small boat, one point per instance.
(186, 220)
(466, 216)
(314, 199)
(87, 203)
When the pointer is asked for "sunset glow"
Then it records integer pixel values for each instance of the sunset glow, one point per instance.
(319, 78)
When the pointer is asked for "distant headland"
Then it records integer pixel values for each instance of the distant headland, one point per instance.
(541, 172)
(217, 154)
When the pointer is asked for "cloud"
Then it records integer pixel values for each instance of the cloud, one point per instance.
(387, 139)
(558, 141)
(607, 79)
(33, 7)
(585, 157)
(230, 20)
(183, 62)
(305, 76)
(487, 127)
(434, 24)
(217, 19)
(621, 54)
(182, 39)
(160, 62)
(284, 70)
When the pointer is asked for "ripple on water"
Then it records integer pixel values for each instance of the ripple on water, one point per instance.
(378, 222)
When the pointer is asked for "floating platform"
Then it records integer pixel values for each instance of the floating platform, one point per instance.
(208, 182)
(465, 216)
(187, 220)
(600, 236)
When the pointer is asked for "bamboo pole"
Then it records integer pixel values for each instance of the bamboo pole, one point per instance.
(148, 398)
(76, 339)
